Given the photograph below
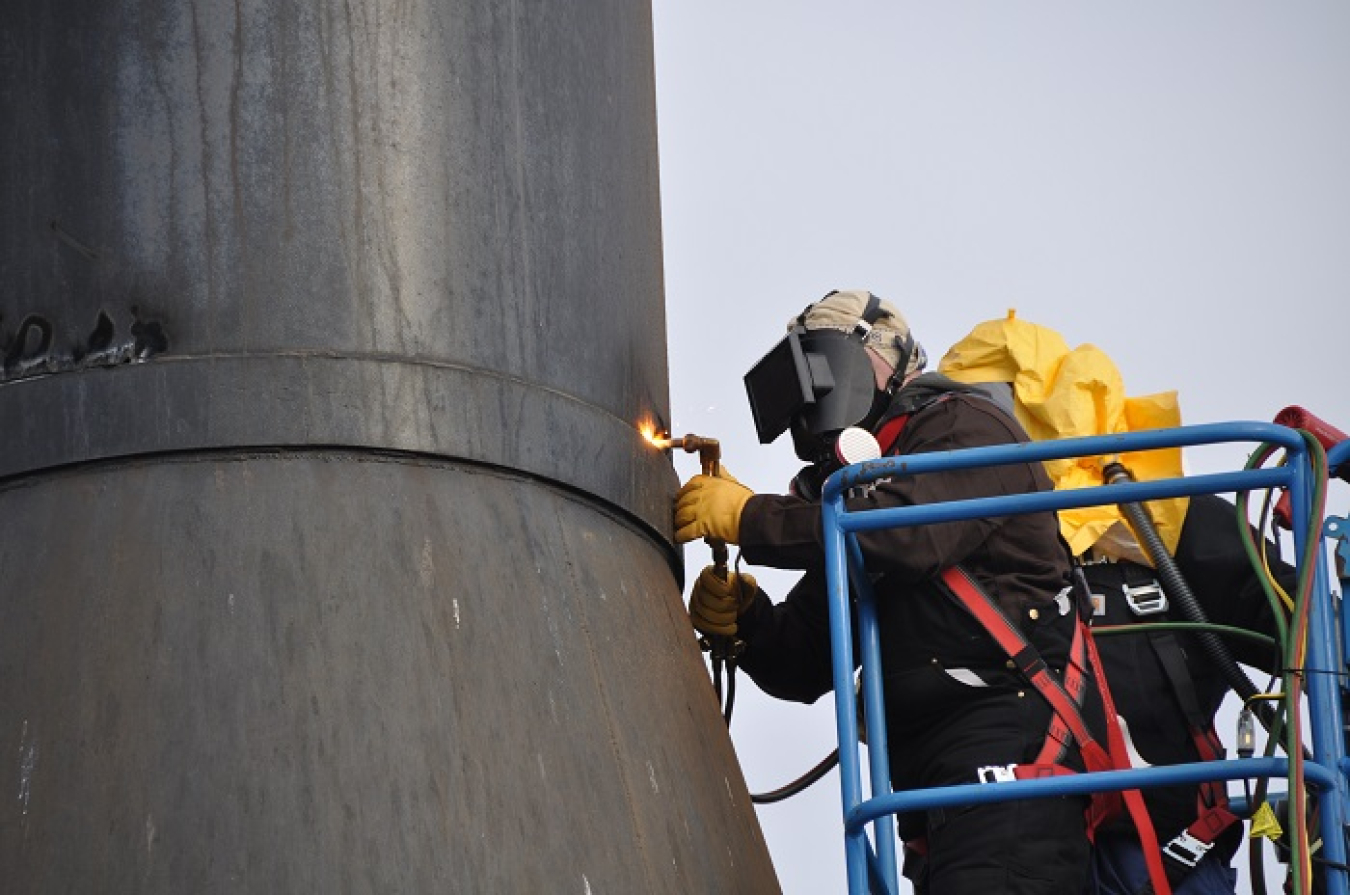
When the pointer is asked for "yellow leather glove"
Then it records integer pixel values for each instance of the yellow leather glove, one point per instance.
(710, 507)
(714, 604)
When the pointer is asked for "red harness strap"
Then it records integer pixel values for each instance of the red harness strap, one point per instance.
(1066, 710)
(889, 433)
(1059, 738)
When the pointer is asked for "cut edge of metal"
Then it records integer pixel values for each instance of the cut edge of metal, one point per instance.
(673, 554)
(300, 401)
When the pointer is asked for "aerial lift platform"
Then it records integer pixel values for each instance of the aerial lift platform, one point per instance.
(1317, 634)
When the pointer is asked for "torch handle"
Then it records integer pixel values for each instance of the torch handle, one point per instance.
(719, 552)
(710, 456)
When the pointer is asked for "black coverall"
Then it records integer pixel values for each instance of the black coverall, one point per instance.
(952, 704)
(1211, 558)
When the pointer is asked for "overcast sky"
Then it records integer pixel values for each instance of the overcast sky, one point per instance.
(1168, 181)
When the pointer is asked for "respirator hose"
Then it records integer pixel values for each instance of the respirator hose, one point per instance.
(1174, 585)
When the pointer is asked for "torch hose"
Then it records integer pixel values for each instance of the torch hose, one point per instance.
(786, 792)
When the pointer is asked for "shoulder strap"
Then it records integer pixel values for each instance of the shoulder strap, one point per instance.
(889, 433)
(891, 430)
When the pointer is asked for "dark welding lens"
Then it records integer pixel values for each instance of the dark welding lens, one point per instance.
(779, 386)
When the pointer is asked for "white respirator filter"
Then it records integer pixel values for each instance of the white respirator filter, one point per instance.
(856, 446)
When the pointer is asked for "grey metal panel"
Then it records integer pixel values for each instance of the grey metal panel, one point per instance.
(472, 184)
(341, 673)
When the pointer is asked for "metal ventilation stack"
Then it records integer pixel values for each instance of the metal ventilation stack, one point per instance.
(332, 559)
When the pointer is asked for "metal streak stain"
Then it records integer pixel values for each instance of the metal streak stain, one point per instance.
(454, 606)
(28, 757)
(651, 775)
(426, 567)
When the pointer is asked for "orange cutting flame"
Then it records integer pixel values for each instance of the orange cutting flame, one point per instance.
(654, 437)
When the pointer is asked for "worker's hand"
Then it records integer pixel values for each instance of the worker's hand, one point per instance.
(715, 604)
(710, 507)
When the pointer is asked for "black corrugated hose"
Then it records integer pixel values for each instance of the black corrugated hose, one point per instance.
(1174, 585)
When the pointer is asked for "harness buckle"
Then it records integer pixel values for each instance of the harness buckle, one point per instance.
(996, 773)
(1186, 849)
(1146, 599)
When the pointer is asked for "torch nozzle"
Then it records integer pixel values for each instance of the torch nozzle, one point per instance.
(692, 443)
(708, 449)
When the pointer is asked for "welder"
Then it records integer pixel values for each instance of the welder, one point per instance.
(956, 705)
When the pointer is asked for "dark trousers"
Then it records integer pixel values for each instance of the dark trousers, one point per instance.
(1034, 847)
(942, 731)
(1118, 868)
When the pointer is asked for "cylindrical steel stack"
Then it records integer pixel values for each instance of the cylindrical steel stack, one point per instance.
(332, 559)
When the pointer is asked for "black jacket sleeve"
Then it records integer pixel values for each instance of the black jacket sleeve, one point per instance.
(783, 531)
(787, 650)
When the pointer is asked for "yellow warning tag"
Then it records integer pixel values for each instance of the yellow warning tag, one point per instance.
(1265, 824)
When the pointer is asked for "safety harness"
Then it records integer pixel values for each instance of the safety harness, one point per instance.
(1065, 698)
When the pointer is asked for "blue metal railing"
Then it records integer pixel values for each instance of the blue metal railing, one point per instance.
(1338, 455)
(844, 563)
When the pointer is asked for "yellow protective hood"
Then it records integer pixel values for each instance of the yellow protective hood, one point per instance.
(1059, 392)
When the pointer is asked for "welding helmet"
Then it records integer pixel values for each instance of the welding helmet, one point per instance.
(819, 380)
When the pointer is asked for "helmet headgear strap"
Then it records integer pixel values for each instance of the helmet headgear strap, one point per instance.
(906, 348)
(904, 345)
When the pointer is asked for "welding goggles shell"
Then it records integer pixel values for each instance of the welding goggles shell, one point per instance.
(817, 382)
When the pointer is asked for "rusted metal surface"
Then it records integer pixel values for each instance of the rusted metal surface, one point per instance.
(334, 560)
